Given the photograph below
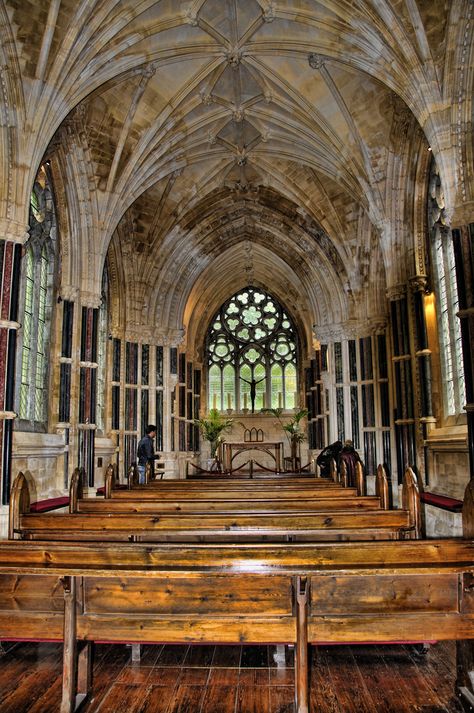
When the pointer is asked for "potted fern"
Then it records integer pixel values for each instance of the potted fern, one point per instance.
(293, 430)
(212, 428)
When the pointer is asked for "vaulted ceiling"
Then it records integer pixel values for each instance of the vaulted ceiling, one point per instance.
(228, 142)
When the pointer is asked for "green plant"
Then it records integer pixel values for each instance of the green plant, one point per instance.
(292, 428)
(212, 427)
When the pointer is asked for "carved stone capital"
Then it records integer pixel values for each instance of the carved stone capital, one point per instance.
(13, 231)
(419, 283)
(90, 299)
(69, 292)
(396, 292)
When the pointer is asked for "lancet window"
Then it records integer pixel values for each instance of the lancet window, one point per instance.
(444, 273)
(38, 266)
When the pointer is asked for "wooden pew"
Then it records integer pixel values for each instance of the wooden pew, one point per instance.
(223, 520)
(227, 527)
(293, 593)
(135, 502)
(157, 505)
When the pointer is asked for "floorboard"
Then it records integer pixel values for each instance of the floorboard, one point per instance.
(235, 679)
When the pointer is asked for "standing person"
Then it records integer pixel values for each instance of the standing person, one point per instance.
(146, 452)
(350, 457)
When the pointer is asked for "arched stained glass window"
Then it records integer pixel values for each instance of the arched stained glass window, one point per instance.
(252, 354)
(38, 267)
(444, 273)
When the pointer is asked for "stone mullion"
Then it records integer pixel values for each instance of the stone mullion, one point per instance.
(10, 259)
(404, 402)
(463, 242)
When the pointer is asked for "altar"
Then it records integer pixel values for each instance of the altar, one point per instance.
(231, 449)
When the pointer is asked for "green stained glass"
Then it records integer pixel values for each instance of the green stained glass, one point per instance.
(258, 335)
(251, 315)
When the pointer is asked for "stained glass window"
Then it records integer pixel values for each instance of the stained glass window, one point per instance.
(444, 270)
(36, 301)
(251, 351)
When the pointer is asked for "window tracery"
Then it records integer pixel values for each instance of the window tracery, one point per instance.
(252, 339)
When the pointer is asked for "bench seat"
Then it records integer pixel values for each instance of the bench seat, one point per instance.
(296, 593)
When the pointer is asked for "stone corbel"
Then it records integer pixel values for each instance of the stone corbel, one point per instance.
(419, 283)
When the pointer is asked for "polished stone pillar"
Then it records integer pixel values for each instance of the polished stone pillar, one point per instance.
(10, 259)
(88, 391)
(404, 415)
(463, 243)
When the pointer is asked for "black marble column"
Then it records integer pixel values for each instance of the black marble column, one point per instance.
(10, 259)
(404, 416)
(463, 243)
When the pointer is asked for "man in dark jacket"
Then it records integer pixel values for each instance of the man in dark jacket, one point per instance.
(146, 452)
(328, 454)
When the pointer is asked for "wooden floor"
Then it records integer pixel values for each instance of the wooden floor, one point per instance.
(235, 679)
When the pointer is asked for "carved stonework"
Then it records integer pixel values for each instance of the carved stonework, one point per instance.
(316, 61)
(396, 292)
(419, 283)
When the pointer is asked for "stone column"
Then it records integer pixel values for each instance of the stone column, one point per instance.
(463, 243)
(10, 260)
(404, 417)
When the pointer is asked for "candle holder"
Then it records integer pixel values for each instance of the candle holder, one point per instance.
(245, 411)
(229, 411)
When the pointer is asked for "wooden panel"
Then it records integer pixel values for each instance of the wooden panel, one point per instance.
(270, 630)
(367, 594)
(390, 628)
(30, 625)
(31, 593)
(239, 595)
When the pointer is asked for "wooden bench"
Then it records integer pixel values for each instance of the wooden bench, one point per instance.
(226, 527)
(294, 593)
(245, 520)
(134, 501)
(196, 505)
(255, 523)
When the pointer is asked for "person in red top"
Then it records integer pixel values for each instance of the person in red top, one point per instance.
(350, 457)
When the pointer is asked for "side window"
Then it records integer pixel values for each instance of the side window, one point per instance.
(445, 288)
(38, 267)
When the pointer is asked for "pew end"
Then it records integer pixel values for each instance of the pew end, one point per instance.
(381, 487)
(412, 503)
(468, 511)
(76, 488)
(19, 504)
(133, 476)
(344, 480)
(360, 480)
